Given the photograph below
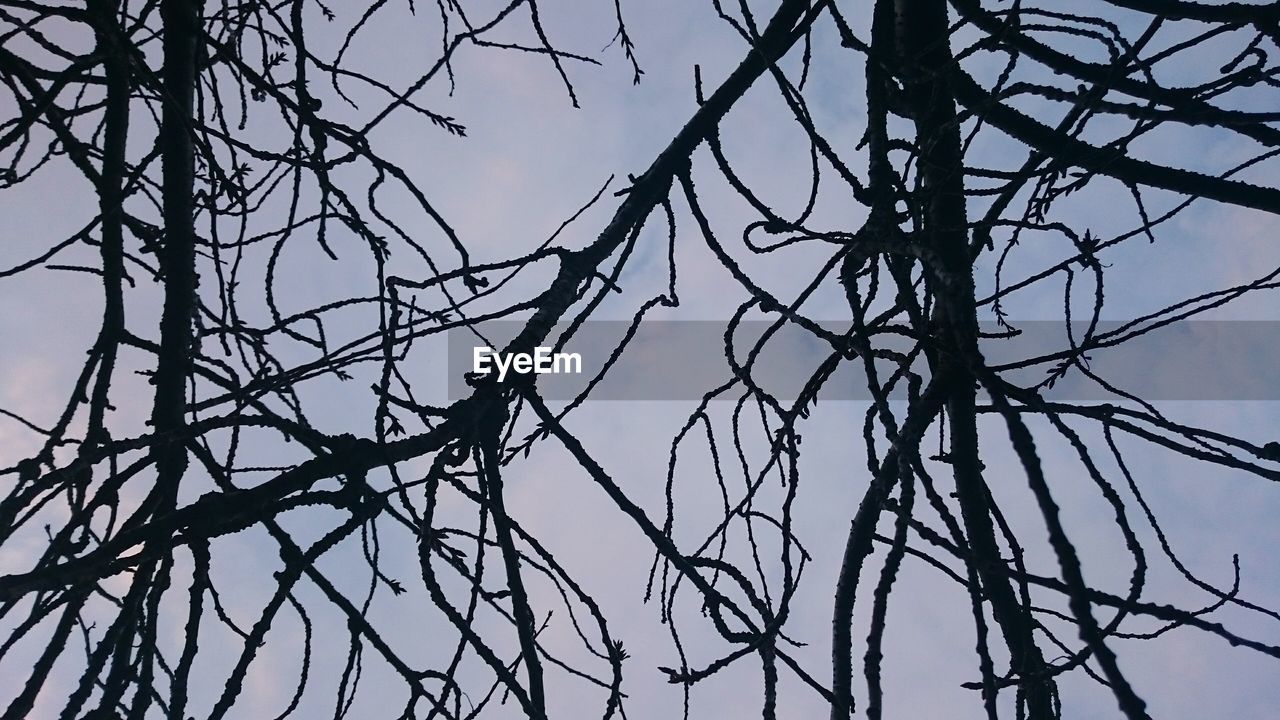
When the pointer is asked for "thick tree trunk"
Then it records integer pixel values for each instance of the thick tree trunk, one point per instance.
(925, 54)
(177, 256)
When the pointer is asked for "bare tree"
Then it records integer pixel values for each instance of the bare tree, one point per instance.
(225, 139)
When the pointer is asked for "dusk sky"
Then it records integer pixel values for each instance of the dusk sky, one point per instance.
(529, 161)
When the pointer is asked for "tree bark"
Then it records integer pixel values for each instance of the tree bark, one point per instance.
(925, 60)
(177, 256)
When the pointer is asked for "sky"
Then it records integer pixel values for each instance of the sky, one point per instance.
(529, 160)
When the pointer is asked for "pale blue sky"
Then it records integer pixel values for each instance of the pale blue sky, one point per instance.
(528, 162)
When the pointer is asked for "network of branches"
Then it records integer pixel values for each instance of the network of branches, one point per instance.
(223, 141)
